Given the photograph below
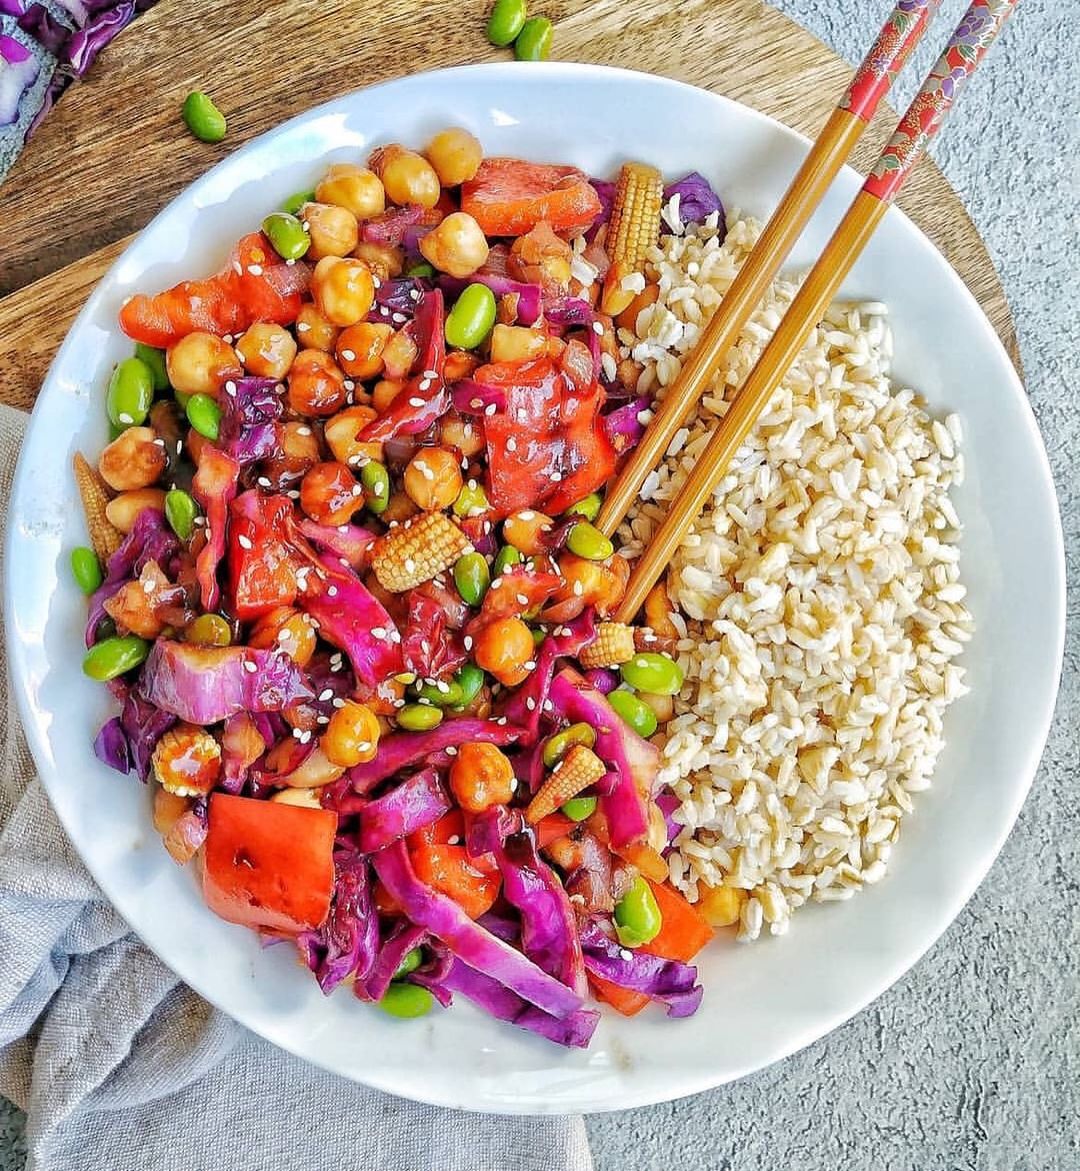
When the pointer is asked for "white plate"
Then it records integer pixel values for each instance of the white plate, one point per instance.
(762, 1001)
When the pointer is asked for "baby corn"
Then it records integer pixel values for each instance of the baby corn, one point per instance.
(417, 550)
(577, 770)
(633, 230)
(614, 645)
(104, 537)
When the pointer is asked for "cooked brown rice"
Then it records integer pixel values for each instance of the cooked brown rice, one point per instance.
(823, 597)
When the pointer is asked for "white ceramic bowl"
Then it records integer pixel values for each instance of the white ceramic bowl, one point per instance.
(762, 1001)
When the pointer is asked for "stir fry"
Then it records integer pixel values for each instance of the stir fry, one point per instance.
(345, 587)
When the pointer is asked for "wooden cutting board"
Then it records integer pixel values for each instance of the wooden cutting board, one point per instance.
(114, 150)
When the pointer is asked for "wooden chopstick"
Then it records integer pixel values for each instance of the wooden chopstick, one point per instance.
(925, 116)
(897, 39)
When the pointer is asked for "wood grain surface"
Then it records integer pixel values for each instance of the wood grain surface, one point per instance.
(114, 150)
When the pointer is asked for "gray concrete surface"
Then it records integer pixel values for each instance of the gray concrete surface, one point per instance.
(972, 1062)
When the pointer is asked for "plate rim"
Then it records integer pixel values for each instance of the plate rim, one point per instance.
(960, 896)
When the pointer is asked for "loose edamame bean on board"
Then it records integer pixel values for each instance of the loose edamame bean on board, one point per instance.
(203, 118)
(287, 235)
(86, 569)
(114, 656)
(295, 202)
(561, 743)
(180, 511)
(648, 671)
(506, 21)
(204, 415)
(419, 717)
(472, 317)
(534, 41)
(155, 363)
(588, 541)
(635, 712)
(637, 915)
(130, 394)
(406, 1001)
(472, 578)
(580, 808)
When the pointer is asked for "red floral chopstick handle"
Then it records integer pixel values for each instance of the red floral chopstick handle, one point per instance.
(897, 40)
(926, 115)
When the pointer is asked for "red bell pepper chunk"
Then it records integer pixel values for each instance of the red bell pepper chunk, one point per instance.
(214, 487)
(262, 573)
(449, 869)
(269, 865)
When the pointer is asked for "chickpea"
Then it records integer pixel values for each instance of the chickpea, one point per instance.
(433, 478)
(399, 356)
(360, 347)
(314, 332)
(354, 188)
(384, 393)
(352, 736)
(316, 384)
(515, 343)
(502, 648)
(459, 364)
(343, 290)
(459, 433)
(135, 459)
(330, 494)
(457, 246)
(399, 507)
(266, 350)
(481, 776)
(299, 453)
(662, 706)
(341, 434)
(456, 156)
(333, 230)
(525, 531)
(199, 363)
(385, 261)
(407, 176)
(288, 629)
(123, 510)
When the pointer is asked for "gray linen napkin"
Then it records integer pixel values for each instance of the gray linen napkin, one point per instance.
(119, 1065)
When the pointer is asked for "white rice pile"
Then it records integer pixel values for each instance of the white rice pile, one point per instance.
(823, 594)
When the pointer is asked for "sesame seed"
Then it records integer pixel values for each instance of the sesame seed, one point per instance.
(443, 686)
(548, 705)
(124, 417)
(556, 477)
(579, 589)
(331, 591)
(244, 542)
(349, 355)
(511, 444)
(501, 721)
(416, 402)
(263, 482)
(364, 746)
(598, 328)
(293, 493)
(325, 694)
(296, 733)
(227, 338)
(523, 599)
(357, 489)
(451, 750)
(476, 403)
(425, 384)
(376, 283)
(530, 665)
(305, 738)
(378, 632)
(626, 953)
(410, 565)
(399, 318)
(349, 384)
(230, 388)
(250, 667)
(290, 262)
(302, 327)
(337, 701)
(303, 431)
(489, 409)
(530, 703)
(468, 642)
(159, 442)
(322, 719)
(454, 840)
(431, 374)
(255, 269)
(496, 583)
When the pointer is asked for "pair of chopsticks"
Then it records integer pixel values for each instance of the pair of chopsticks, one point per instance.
(925, 116)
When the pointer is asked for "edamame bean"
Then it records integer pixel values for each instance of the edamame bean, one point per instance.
(114, 656)
(561, 743)
(472, 318)
(538, 634)
(506, 21)
(295, 202)
(588, 541)
(155, 363)
(472, 500)
(637, 916)
(505, 557)
(86, 569)
(375, 480)
(209, 630)
(130, 394)
(287, 235)
(180, 511)
(419, 717)
(411, 961)
(589, 507)
(406, 1001)
(204, 415)
(470, 679)
(422, 269)
(434, 694)
(534, 41)
(203, 118)
(649, 671)
(472, 578)
(634, 712)
(580, 808)
(182, 399)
